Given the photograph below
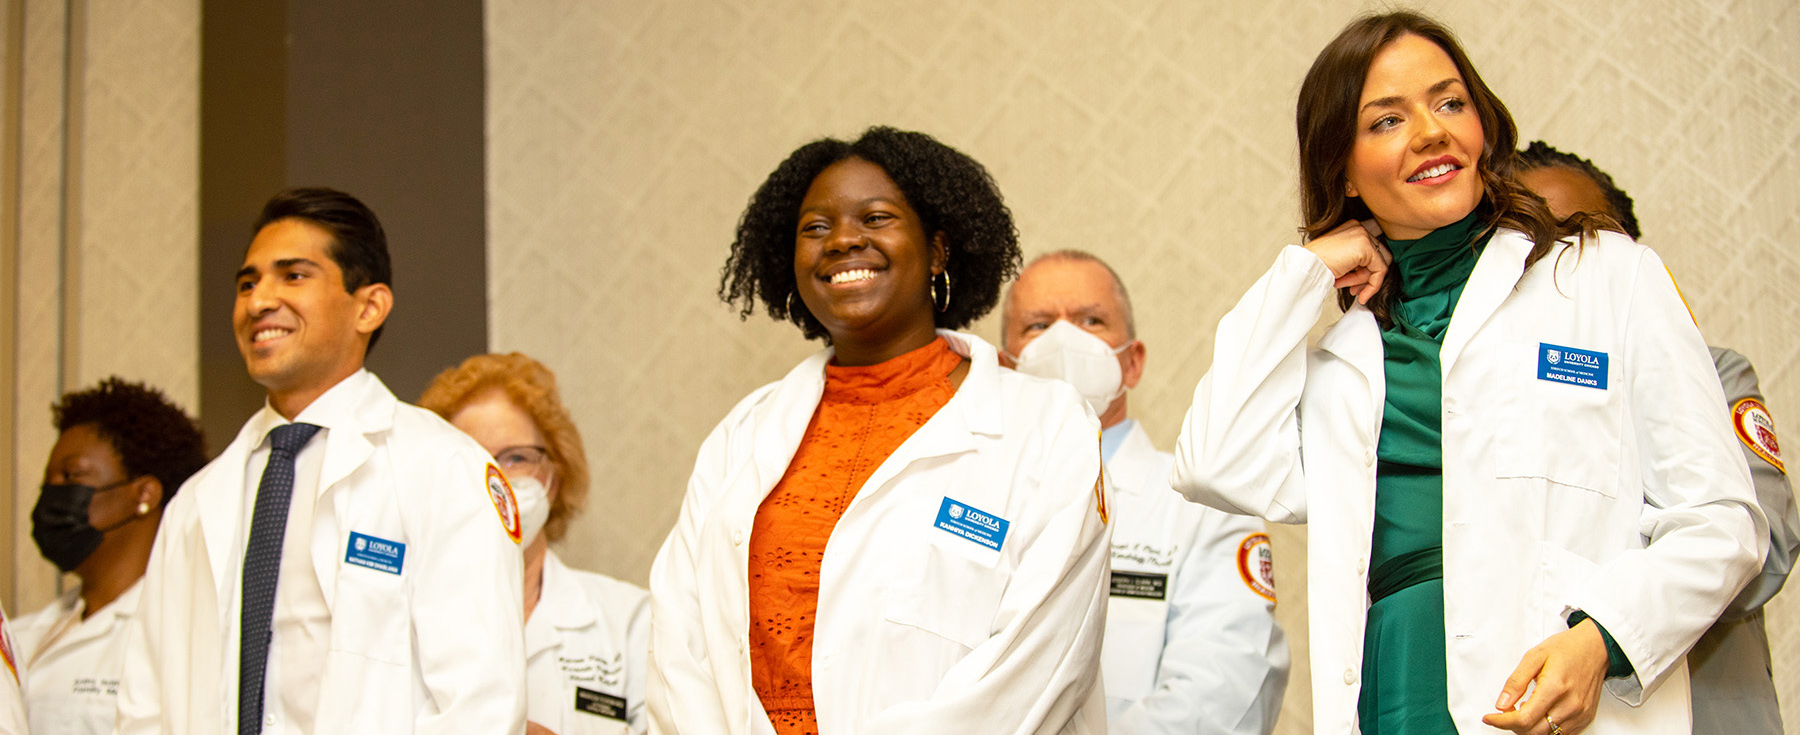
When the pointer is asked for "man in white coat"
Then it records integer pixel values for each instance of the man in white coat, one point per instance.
(349, 563)
(1192, 645)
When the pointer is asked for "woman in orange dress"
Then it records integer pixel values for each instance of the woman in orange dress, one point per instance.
(899, 536)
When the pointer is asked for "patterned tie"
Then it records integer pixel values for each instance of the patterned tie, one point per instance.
(262, 569)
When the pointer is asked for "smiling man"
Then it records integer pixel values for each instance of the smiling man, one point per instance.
(350, 563)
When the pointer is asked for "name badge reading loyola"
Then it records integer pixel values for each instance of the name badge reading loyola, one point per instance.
(1559, 364)
(964, 521)
(376, 553)
(599, 703)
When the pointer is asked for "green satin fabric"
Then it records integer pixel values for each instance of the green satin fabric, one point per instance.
(1405, 688)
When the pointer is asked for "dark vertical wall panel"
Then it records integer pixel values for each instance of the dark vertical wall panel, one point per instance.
(385, 100)
(243, 138)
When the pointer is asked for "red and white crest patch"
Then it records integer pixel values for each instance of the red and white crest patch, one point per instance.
(1756, 429)
(500, 491)
(1256, 564)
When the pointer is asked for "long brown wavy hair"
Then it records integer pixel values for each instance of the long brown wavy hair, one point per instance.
(1325, 120)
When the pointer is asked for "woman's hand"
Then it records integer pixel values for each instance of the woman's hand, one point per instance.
(1356, 257)
(532, 728)
(1569, 669)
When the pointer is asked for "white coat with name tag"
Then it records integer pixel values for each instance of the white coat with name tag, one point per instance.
(1207, 658)
(918, 630)
(586, 649)
(72, 683)
(438, 648)
(1631, 502)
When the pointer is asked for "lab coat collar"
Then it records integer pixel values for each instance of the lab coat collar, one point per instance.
(1496, 272)
(1135, 455)
(357, 406)
(975, 409)
(99, 624)
(563, 604)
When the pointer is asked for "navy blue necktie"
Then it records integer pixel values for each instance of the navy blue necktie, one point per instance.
(262, 570)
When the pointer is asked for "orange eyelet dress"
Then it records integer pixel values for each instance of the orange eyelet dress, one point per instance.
(864, 415)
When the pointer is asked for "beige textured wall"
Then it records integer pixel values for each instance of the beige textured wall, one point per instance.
(108, 249)
(625, 137)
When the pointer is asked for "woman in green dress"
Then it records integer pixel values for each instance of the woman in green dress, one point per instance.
(1525, 504)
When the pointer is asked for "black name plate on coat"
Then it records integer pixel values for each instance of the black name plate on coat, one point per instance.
(1140, 585)
(599, 703)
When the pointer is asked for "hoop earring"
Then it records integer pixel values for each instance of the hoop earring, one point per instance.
(792, 313)
(941, 302)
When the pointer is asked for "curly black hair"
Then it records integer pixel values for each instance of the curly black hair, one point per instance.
(1540, 155)
(952, 193)
(152, 435)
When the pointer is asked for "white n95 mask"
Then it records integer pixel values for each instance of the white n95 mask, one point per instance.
(534, 507)
(1068, 353)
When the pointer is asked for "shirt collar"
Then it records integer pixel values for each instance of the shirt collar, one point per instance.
(1113, 436)
(335, 408)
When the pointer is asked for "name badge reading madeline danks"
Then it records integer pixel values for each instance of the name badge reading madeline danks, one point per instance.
(378, 554)
(964, 521)
(1559, 364)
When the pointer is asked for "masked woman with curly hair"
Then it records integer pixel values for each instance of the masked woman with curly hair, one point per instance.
(1524, 502)
(899, 536)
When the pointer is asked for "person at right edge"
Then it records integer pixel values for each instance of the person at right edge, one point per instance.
(1525, 503)
(1733, 682)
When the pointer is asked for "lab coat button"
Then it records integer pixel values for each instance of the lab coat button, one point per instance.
(1349, 677)
(737, 538)
(1369, 456)
(1362, 565)
(269, 721)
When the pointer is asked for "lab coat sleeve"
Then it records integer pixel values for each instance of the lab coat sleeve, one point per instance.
(140, 682)
(468, 609)
(1041, 666)
(1224, 664)
(1239, 448)
(1773, 493)
(1704, 535)
(681, 693)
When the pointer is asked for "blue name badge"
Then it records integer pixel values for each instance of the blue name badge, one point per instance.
(376, 553)
(964, 521)
(1560, 364)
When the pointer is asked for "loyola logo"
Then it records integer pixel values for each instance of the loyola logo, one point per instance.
(1554, 356)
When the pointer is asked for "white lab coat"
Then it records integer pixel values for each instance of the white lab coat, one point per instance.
(12, 700)
(437, 648)
(918, 630)
(1207, 658)
(589, 632)
(72, 684)
(1631, 503)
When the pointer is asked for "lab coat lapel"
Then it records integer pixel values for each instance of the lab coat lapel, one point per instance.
(1126, 469)
(219, 499)
(787, 413)
(1496, 273)
(1356, 339)
(347, 448)
(975, 409)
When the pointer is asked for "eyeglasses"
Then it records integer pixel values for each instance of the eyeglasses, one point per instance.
(525, 460)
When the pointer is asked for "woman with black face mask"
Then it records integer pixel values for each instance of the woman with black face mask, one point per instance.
(123, 451)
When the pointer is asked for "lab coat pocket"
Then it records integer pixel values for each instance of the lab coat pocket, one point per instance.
(1568, 435)
(953, 595)
(373, 605)
(358, 694)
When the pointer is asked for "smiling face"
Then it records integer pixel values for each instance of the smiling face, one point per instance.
(863, 263)
(1418, 141)
(299, 331)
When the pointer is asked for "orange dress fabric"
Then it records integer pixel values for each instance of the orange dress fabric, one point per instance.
(864, 415)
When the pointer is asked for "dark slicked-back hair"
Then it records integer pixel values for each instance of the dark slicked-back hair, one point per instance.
(151, 434)
(1326, 122)
(358, 244)
(951, 192)
(1541, 155)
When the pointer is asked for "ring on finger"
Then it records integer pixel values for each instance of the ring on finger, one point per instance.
(1555, 729)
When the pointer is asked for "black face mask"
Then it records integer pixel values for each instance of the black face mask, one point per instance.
(59, 523)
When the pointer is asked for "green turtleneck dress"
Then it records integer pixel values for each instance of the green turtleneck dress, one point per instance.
(1405, 689)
